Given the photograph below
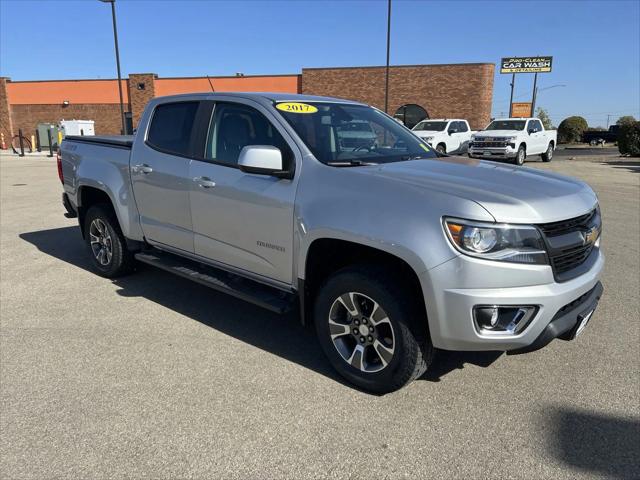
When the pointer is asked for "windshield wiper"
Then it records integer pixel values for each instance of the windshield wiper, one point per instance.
(350, 163)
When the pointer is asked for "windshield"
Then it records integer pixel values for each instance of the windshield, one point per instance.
(435, 126)
(343, 134)
(507, 125)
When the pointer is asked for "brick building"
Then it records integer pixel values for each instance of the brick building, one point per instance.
(436, 91)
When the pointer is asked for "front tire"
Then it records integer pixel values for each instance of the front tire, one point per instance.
(548, 155)
(521, 156)
(441, 149)
(371, 329)
(106, 243)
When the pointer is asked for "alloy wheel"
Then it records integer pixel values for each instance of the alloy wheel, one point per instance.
(101, 244)
(361, 332)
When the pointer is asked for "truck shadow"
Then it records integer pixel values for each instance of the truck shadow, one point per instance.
(630, 165)
(281, 335)
(598, 443)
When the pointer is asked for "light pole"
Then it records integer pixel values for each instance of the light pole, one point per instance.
(535, 95)
(115, 39)
(386, 72)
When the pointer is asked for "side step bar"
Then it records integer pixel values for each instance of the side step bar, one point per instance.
(220, 280)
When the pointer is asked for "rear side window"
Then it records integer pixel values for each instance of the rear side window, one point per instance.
(171, 127)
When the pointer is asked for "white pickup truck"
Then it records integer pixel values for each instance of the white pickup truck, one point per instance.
(445, 135)
(513, 139)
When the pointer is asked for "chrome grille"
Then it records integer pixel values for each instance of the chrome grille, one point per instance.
(480, 144)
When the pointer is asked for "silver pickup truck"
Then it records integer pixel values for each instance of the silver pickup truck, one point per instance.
(387, 247)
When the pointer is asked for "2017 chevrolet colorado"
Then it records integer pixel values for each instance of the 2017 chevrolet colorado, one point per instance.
(388, 248)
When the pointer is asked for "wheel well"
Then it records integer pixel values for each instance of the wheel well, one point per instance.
(326, 256)
(523, 144)
(553, 144)
(443, 144)
(88, 197)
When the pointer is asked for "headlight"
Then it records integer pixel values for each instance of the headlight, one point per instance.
(500, 242)
(510, 139)
(427, 139)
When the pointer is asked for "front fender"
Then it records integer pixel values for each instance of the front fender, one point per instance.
(398, 218)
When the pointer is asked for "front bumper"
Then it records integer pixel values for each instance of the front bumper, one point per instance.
(492, 152)
(451, 290)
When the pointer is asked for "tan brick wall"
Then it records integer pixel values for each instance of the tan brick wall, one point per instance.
(139, 97)
(450, 91)
(6, 126)
(106, 116)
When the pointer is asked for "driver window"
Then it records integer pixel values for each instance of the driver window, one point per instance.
(235, 126)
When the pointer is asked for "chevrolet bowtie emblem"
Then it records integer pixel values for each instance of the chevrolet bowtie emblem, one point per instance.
(590, 236)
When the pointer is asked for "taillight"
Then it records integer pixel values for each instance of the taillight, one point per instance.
(59, 162)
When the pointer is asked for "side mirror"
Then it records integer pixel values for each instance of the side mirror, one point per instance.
(262, 160)
(453, 130)
(532, 130)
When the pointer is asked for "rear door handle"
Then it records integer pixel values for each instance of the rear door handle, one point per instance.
(204, 182)
(142, 168)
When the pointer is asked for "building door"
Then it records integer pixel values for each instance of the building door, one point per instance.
(411, 114)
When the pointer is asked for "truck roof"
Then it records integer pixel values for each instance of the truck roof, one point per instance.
(271, 96)
(444, 120)
(514, 118)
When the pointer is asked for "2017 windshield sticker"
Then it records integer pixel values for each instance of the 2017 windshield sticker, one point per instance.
(295, 107)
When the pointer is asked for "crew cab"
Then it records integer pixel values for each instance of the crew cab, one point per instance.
(387, 248)
(514, 139)
(450, 136)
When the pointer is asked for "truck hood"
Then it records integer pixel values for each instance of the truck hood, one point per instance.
(428, 133)
(498, 133)
(509, 193)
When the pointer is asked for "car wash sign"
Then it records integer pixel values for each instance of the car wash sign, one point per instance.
(526, 65)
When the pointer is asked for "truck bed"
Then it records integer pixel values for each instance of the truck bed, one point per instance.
(121, 141)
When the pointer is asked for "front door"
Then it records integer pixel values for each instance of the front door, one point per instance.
(160, 176)
(243, 220)
(537, 138)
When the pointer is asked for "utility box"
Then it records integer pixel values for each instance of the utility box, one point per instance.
(77, 127)
(42, 134)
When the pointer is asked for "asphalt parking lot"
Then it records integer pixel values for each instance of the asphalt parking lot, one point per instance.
(152, 376)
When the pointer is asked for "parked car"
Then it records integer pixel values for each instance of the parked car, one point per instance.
(356, 136)
(514, 139)
(450, 136)
(601, 137)
(389, 252)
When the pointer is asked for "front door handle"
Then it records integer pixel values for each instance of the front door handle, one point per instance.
(204, 182)
(142, 168)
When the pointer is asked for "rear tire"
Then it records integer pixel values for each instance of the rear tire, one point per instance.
(380, 337)
(548, 155)
(521, 156)
(106, 243)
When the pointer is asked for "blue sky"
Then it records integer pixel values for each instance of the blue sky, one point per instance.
(595, 45)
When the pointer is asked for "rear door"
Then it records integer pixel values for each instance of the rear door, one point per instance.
(160, 175)
(242, 220)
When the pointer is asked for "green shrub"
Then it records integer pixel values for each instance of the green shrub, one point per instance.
(629, 139)
(571, 128)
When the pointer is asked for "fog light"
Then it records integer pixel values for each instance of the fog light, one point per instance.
(504, 319)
